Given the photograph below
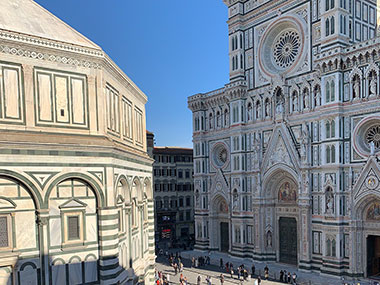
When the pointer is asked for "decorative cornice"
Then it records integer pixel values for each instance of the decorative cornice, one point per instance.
(18, 44)
(44, 42)
(30, 52)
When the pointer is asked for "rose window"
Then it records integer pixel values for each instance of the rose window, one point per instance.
(373, 135)
(220, 155)
(286, 48)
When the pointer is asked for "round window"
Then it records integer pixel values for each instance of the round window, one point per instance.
(286, 48)
(220, 155)
(282, 46)
(373, 135)
(366, 136)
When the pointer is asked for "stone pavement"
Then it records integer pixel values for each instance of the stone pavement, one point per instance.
(304, 278)
(192, 273)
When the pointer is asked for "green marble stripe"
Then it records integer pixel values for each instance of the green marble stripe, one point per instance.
(109, 237)
(108, 227)
(73, 153)
(108, 217)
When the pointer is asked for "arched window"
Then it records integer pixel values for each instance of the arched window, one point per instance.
(332, 25)
(232, 43)
(333, 154)
(332, 4)
(210, 121)
(202, 123)
(241, 40)
(328, 129)
(218, 119)
(327, 92)
(327, 5)
(332, 89)
(241, 62)
(344, 24)
(333, 129)
(327, 27)
(328, 154)
(233, 63)
(333, 247)
(328, 247)
(134, 213)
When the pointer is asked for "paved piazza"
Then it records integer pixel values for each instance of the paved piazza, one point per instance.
(303, 278)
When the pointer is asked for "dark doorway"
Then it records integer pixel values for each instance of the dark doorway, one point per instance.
(224, 237)
(373, 256)
(288, 240)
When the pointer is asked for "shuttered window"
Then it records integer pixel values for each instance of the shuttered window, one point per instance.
(4, 234)
(73, 227)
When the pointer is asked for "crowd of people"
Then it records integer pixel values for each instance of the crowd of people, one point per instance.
(241, 272)
(200, 261)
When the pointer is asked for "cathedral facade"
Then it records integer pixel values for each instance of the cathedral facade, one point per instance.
(76, 201)
(286, 154)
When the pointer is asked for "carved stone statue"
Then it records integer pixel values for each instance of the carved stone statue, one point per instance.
(329, 202)
(372, 88)
(356, 89)
(279, 107)
(226, 118)
(372, 148)
(256, 153)
(318, 97)
(267, 108)
(258, 111)
(235, 197)
(295, 103)
(269, 239)
(306, 100)
(197, 199)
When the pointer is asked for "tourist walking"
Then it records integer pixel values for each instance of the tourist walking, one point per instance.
(294, 277)
(289, 277)
(221, 279)
(281, 276)
(266, 272)
(199, 280)
(253, 271)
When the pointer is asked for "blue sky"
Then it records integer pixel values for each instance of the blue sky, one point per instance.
(170, 48)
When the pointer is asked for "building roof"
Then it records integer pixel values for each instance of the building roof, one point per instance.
(27, 17)
(172, 150)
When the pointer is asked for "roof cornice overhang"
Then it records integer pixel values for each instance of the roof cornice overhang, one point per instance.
(20, 44)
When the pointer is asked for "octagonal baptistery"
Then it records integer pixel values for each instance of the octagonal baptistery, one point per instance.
(75, 179)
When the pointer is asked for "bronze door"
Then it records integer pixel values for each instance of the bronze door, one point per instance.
(288, 240)
(373, 256)
(224, 237)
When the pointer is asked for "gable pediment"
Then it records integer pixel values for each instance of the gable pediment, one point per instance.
(281, 150)
(368, 182)
(72, 203)
(219, 183)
